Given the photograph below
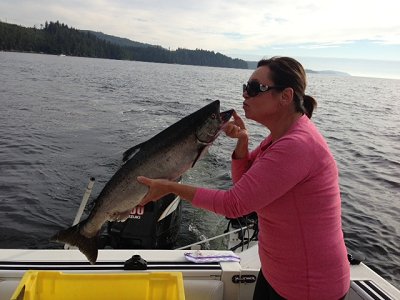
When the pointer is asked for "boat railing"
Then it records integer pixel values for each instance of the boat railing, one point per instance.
(229, 233)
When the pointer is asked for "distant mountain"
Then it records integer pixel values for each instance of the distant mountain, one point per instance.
(253, 65)
(180, 56)
(124, 42)
(328, 72)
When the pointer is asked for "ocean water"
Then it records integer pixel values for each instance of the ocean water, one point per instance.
(65, 119)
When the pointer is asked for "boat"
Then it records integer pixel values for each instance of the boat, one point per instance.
(212, 280)
(216, 277)
(207, 274)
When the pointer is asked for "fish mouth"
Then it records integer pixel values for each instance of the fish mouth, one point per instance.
(226, 115)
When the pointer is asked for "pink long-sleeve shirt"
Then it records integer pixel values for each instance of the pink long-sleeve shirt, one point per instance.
(293, 186)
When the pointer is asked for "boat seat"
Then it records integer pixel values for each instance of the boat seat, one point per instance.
(203, 289)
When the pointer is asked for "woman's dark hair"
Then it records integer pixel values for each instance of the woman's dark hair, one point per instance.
(288, 72)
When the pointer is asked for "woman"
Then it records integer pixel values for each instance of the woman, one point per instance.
(290, 180)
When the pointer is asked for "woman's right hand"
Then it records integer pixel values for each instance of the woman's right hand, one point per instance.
(236, 128)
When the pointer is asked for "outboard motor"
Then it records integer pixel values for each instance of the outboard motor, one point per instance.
(153, 226)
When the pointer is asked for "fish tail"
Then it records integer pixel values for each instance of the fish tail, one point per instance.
(73, 237)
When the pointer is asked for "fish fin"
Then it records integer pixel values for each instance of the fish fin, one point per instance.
(199, 155)
(73, 237)
(196, 159)
(131, 152)
(120, 216)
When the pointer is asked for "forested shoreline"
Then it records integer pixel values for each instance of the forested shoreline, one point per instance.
(58, 38)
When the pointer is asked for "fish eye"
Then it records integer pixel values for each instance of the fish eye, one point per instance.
(213, 116)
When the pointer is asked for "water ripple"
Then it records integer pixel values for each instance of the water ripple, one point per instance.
(72, 119)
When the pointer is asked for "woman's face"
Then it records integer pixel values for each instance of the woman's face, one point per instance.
(265, 104)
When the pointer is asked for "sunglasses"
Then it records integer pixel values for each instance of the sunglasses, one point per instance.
(253, 88)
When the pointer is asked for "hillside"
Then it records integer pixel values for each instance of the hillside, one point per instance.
(117, 40)
(57, 38)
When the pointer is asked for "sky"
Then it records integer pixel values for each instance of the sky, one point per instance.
(249, 30)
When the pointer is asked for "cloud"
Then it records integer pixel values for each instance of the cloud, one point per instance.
(224, 26)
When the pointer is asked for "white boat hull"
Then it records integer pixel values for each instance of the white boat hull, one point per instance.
(201, 281)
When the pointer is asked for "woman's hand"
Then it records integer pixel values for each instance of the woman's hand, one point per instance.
(236, 128)
(158, 188)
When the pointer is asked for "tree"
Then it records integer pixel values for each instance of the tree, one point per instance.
(58, 38)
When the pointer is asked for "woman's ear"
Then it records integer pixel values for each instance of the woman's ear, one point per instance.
(287, 96)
